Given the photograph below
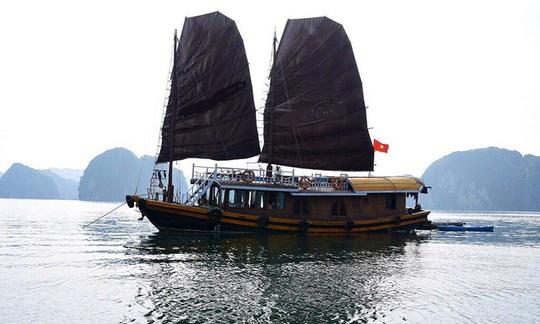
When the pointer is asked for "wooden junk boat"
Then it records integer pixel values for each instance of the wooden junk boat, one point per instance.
(314, 118)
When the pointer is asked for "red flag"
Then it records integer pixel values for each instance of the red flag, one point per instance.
(381, 147)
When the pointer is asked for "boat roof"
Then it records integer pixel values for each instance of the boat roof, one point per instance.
(385, 184)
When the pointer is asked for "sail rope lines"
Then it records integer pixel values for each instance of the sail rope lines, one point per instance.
(139, 176)
(179, 184)
(163, 112)
(260, 111)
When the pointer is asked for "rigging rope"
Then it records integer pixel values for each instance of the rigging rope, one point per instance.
(163, 112)
(95, 220)
(139, 177)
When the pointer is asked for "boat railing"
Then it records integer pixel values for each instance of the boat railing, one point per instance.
(262, 176)
(158, 181)
(199, 188)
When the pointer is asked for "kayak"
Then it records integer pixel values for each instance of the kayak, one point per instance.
(449, 224)
(452, 228)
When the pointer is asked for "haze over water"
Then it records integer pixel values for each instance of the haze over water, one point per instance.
(120, 270)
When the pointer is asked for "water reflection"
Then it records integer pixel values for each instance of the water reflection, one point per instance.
(55, 271)
(269, 278)
(273, 248)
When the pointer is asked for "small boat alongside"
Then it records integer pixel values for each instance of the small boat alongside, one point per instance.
(448, 223)
(454, 228)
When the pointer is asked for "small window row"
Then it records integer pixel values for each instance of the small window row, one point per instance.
(237, 198)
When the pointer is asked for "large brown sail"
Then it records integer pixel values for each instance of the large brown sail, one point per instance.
(315, 112)
(211, 95)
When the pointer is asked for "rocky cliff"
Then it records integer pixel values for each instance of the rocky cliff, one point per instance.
(113, 174)
(67, 188)
(484, 179)
(21, 181)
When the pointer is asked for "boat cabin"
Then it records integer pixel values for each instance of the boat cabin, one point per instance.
(278, 193)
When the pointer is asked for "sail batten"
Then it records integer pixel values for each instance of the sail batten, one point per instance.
(211, 95)
(315, 114)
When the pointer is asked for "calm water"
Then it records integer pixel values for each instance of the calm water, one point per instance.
(120, 270)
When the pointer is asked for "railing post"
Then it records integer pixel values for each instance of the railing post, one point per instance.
(192, 170)
(293, 182)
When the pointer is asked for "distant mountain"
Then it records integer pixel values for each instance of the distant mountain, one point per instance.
(21, 181)
(67, 188)
(114, 173)
(484, 179)
(1, 174)
(71, 174)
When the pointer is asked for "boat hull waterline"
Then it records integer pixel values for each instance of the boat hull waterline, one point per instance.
(177, 217)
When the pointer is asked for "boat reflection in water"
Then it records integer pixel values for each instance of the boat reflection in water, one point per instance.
(205, 278)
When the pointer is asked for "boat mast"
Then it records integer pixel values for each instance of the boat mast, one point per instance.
(271, 129)
(170, 187)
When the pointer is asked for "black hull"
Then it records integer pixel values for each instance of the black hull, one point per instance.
(177, 217)
(166, 222)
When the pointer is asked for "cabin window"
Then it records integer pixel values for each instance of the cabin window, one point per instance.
(260, 199)
(276, 200)
(338, 209)
(256, 199)
(411, 200)
(280, 200)
(244, 198)
(237, 198)
(301, 206)
(252, 195)
(214, 195)
(391, 201)
(231, 195)
(222, 197)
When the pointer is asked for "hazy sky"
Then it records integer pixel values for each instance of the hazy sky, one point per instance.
(77, 78)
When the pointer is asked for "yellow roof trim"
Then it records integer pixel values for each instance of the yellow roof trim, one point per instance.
(402, 184)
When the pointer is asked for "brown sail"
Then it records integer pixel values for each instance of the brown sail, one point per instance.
(210, 113)
(315, 112)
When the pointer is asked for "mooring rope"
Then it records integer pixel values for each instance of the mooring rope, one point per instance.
(95, 220)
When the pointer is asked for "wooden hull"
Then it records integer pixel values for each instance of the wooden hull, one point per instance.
(177, 217)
